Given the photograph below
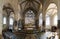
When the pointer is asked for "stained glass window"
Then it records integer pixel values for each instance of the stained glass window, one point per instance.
(47, 20)
(40, 20)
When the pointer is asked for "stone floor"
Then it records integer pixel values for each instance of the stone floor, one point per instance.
(36, 36)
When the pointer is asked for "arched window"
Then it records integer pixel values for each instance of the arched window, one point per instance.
(55, 20)
(40, 20)
(52, 12)
(11, 20)
(4, 20)
(47, 20)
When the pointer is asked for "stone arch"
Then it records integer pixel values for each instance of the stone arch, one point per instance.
(52, 7)
(7, 9)
(46, 4)
(49, 14)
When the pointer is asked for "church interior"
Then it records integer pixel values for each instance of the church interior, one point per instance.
(29, 19)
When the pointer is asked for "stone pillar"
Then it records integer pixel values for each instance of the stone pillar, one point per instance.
(23, 20)
(0, 22)
(7, 21)
(15, 21)
(1, 2)
(8, 14)
(23, 23)
(59, 25)
(37, 21)
(58, 14)
(59, 22)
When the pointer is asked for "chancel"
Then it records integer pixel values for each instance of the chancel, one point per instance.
(29, 19)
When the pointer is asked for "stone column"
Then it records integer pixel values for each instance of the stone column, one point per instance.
(59, 22)
(23, 23)
(15, 21)
(58, 14)
(0, 23)
(23, 20)
(37, 21)
(1, 2)
(7, 21)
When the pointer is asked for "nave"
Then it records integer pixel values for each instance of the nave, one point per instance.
(30, 19)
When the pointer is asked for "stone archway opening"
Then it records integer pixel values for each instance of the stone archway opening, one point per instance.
(51, 15)
(8, 17)
(51, 20)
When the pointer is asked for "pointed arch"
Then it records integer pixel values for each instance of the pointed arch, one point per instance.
(8, 13)
(51, 14)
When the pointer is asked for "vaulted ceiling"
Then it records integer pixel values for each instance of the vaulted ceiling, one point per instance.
(19, 5)
(35, 4)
